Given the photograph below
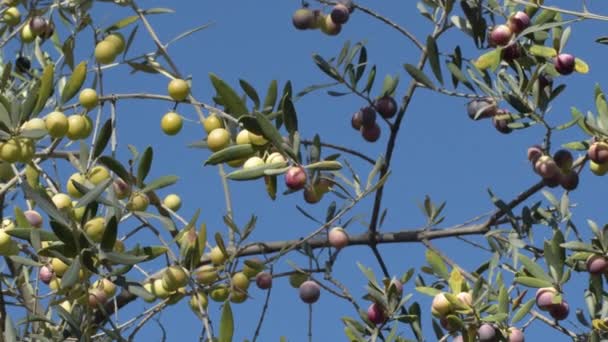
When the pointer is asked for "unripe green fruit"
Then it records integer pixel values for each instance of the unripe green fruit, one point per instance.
(219, 294)
(8, 224)
(253, 162)
(27, 36)
(243, 137)
(71, 188)
(252, 267)
(6, 172)
(218, 139)
(329, 27)
(105, 52)
(178, 89)
(149, 287)
(119, 246)
(98, 174)
(598, 169)
(172, 202)
(159, 290)
(275, 157)
(175, 277)
(118, 41)
(27, 149)
(95, 228)
(76, 127)
(78, 212)
(177, 296)
(256, 139)
(10, 151)
(138, 202)
(59, 267)
(88, 128)
(108, 287)
(217, 256)
(206, 275)
(55, 284)
(88, 98)
(34, 124)
(212, 122)
(238, 296)
(198, 300)
(441, 306)
(11, 16)
(465, 297)
(62, 201)
(57, 124)
(5, 241)
(240, 281)
(171, 123)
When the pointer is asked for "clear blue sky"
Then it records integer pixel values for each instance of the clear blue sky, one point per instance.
(440, 151)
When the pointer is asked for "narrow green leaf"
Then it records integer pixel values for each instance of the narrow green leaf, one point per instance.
(93, 194)
(75, 82)
(144, 165)
(115, 166)
(433, 55)
(71, 276)
(230, 153)
(46, 87)
(419, 76)
(250, 91)
(523, 311)
(289, 115)
(232, 102)
(102, 138)
(122, 23)
(437, 264)
(109, 235)
(271, 97)
(533, 282)
(161, 182)
(226, 324)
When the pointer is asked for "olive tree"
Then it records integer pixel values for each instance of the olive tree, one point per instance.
(72, 242)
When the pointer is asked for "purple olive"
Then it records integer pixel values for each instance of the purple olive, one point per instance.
(598, 152)
(33, 217)
(303, 19)
(546, 167)
(376, 314)
(560, 311)
(339, 14)
(563, 159)
(502, 125)
(515, 335)
(371, 134)
(38, 25)
(386, 106)
(597, 264)
(511, 52)
(45, 274)
(295, 178)
(263, 280)
(310, 292)
(356, 121)
(485, 107)
(486, 333)
(519, 22)
(569, 180)
(564, 63)
(368, 116)
(501, 35)
(544, 298)
(534, 153)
